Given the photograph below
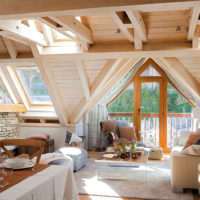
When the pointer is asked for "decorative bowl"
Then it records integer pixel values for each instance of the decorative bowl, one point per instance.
(17, 162)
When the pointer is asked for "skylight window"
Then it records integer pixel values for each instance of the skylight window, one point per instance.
(59, 36)
(34, 86)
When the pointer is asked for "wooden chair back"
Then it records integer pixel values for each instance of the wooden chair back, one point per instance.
(23, 142)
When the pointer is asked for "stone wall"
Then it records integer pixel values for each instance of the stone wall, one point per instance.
(9, 125)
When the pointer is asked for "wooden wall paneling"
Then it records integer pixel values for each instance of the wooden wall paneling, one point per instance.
(51, 87)
(83, 78)
(83, 106)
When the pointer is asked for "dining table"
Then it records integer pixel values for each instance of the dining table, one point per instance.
(51, 182)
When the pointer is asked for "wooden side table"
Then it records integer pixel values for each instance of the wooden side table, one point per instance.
(49, 148)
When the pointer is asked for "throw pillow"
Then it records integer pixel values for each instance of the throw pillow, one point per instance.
(182, 139)
(197, 141)
(39, 136)
(191, 139)
(109, 139)
(72, 138)
(127, 132)
(193, 150)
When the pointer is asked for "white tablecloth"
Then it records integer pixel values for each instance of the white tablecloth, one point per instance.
(54, 183)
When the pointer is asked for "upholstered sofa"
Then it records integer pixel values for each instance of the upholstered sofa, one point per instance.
(184, 168)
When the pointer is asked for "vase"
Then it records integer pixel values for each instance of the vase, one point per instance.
(122, 149)
(133, 149)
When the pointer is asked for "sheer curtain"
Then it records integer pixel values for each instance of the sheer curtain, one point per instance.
(99, 112)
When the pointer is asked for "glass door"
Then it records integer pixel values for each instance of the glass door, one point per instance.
(149, 111)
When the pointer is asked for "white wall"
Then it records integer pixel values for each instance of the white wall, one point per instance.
(56, 133)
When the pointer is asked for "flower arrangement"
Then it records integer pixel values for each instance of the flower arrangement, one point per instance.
(123, 143)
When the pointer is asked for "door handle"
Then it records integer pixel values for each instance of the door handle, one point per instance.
(138, 111)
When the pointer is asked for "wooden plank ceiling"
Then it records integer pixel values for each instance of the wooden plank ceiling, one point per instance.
(82, 49)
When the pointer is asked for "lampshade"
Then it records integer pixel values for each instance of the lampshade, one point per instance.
(196, 113)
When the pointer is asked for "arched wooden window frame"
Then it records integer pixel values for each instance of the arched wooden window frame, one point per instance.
(163, 95)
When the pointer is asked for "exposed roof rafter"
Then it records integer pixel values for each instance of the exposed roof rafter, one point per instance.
(23, 31)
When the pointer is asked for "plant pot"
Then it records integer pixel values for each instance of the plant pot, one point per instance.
(116, 146)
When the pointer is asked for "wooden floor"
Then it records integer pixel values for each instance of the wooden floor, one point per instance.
(94, 154)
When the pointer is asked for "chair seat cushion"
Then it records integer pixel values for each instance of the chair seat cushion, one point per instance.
(79, 155)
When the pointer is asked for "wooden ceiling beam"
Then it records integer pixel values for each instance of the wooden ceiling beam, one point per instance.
(83, 78)
(174, 67)
(70, 23)
(7, 86)
(118, 20)
(10, 47)
(196, 38)
(17, 61)
(49, 22)
(51, 86)
(105, 73)
(12, 108)
(13, 37)
(193, 21)
(14, 92)
(23, 31)
(47, 34)
(38, 8)
(138, 23)
(123, 50)
(86, 105)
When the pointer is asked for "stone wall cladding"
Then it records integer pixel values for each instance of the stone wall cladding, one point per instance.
(9, 125)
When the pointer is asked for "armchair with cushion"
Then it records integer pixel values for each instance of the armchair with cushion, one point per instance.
(120, 129)
(184, 167)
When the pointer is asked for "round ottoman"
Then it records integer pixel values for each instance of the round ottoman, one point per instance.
(156, 153)
(79, 156)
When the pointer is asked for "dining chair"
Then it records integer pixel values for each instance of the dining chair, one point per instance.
(23, 142)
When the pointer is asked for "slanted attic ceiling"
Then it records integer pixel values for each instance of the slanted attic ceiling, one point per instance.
(100, 42)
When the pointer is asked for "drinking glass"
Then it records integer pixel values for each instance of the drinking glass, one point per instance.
(6, 171)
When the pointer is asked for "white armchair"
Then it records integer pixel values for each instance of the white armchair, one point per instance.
(184, 168)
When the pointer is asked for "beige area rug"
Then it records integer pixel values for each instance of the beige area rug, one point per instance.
(157, 186)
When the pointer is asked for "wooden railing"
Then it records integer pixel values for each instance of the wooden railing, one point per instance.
(176, 122)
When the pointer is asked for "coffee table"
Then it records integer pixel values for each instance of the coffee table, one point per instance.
(117, 168)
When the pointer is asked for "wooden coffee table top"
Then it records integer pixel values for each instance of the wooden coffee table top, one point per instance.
(140, 159)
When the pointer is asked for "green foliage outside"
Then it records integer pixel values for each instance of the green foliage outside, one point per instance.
(150, 101)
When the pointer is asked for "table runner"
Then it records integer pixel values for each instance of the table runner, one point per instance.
(20, 175)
